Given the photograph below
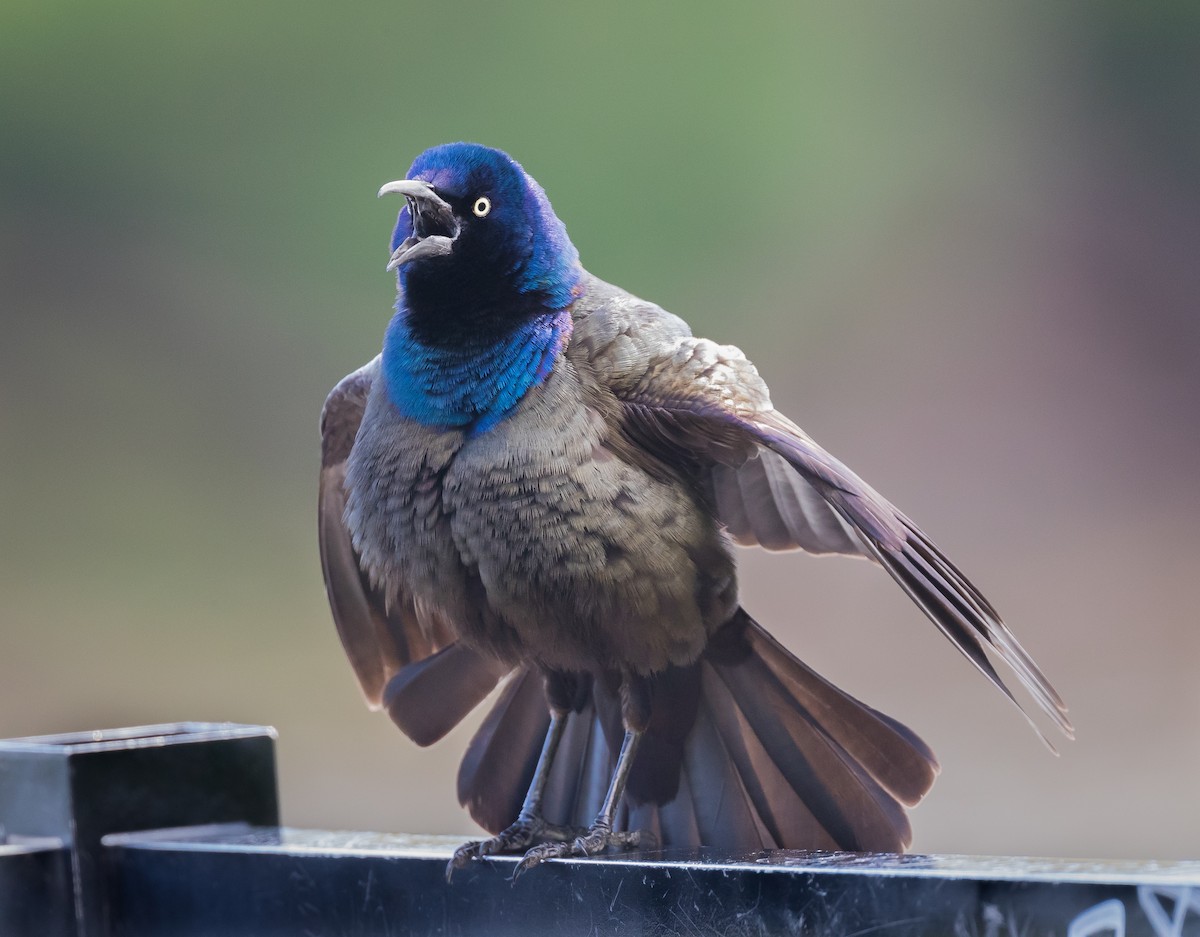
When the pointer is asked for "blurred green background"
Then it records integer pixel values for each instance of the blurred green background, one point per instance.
(960, 240)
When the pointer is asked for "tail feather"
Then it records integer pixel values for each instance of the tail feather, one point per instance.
(845, 800)
(495, 772)
(678, 819)
(725, 812)
(786, 818)
(749, 750)
(579, 775)
(891, 753)
(640, 817)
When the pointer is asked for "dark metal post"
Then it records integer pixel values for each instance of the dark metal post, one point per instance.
(78, 787)
(35, 887)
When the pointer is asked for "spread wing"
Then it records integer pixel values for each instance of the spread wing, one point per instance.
(690, 400)
(406, 663)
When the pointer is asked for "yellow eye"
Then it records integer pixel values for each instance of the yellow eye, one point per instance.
(481, 207)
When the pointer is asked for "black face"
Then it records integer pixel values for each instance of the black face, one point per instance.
(477, 243)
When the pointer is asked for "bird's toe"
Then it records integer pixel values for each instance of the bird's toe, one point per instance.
(590, 843)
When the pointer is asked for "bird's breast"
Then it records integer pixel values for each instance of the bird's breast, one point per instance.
(538, 541)
(586, 556)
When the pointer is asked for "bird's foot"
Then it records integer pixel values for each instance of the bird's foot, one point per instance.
(599, 838)
(526, 832)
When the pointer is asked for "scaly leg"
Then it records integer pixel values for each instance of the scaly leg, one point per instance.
(601, 835)
(529, 827)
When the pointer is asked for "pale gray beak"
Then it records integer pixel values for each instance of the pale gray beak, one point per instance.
(434, 224)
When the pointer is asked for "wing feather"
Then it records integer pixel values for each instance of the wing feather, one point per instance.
(703, 407)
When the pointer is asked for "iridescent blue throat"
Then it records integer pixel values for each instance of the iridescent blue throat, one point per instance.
(470, 385)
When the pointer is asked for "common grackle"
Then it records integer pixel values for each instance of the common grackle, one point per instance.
(539, 482)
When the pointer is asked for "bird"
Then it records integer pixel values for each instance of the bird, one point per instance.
(537, 485)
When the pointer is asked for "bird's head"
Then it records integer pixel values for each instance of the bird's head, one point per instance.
(477, 229)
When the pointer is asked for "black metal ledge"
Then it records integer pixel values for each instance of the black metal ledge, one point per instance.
(77, 787)
(35, 887)
(173, 830)
(267, 881)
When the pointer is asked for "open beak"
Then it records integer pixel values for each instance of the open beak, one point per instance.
(434, 224)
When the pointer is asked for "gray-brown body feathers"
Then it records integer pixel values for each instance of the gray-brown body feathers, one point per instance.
(590, 533)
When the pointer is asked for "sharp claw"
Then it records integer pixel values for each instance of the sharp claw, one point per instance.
(522, 867)
(459, 860)
(539, 854)
(464, 855)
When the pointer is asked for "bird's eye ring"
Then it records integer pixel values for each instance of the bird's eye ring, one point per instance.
(481, 207)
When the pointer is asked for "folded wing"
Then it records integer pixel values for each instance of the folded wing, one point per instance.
(405, 663)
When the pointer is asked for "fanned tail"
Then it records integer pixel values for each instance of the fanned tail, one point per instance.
(753, 750)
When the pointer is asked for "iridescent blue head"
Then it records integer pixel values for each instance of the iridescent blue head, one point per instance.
(477, 227)
(486, 274)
